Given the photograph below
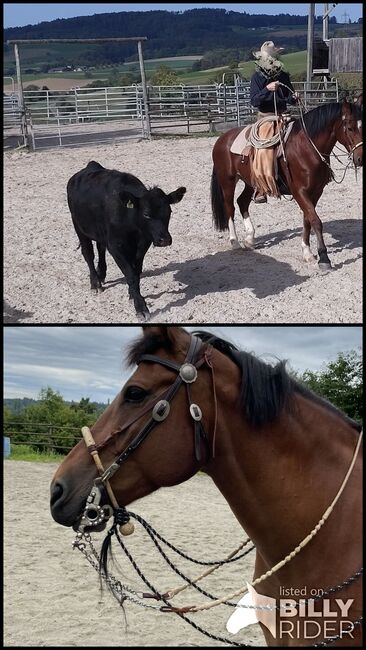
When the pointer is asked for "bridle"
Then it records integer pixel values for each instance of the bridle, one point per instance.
(345, 121)
(94, 514)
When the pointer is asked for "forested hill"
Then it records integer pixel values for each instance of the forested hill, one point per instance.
(18, 405)
(170, 33)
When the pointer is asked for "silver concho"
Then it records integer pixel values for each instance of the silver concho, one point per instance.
(188, 373)
(160, 410)
(195, 412)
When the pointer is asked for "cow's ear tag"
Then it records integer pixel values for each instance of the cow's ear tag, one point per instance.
(130, 204)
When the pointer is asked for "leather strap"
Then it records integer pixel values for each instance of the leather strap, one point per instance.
(163, 362)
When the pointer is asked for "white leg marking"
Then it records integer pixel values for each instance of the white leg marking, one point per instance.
(232, 234)
(249, 231)
(306, 252)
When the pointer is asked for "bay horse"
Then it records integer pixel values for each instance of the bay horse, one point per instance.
(304, 175)
(277, 452)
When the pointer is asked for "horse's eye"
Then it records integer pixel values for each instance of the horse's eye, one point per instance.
(135, 394)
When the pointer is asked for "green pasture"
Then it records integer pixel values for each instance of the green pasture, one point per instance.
(101, 72)
(24, 452)
(294, 63)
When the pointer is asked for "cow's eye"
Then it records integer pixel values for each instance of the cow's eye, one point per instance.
(146, 215)
(135, 394)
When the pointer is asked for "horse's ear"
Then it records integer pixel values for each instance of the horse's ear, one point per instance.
(172, 333)
(158, 330)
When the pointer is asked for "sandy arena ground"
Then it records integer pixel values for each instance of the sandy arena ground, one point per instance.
(51, 593)
(198, 279)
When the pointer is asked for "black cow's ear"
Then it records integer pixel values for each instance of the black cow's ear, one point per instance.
(175, 197)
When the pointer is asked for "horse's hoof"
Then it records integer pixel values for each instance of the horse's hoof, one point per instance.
(97, 290)
(250, 244)
(324, 267)
(234, 244)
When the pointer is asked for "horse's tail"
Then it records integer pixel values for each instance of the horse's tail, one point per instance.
(217, 203)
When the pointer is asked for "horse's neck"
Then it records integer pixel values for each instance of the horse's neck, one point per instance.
(325, 141)
(279, 481)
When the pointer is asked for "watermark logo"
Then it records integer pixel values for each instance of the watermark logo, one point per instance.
(307, 616)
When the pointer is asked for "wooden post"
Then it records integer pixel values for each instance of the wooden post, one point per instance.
(309, 67)
(21, 96)
(19, 77)
(325, 34)
(144, 89)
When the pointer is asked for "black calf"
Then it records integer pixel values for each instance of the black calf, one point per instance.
(120, 214)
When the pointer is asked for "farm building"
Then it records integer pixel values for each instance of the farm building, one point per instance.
(338, 55)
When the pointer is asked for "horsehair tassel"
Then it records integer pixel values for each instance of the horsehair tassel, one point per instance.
(127, 528)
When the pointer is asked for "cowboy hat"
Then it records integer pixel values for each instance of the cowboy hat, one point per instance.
(268, 49)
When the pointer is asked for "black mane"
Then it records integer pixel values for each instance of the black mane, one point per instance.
(320, 117)
(265, 389)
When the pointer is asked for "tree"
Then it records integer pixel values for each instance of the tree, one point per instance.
(164, 76)
(340, 382)
(52, 423)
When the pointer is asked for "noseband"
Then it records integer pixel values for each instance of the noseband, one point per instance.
(94, 514)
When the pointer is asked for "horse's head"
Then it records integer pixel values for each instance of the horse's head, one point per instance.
(162, 446)
(350, 132)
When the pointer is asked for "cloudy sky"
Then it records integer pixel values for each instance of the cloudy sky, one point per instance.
(17, 14)
(88, 361)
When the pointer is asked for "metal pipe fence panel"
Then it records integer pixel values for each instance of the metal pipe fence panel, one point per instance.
(42, 437)
(84, 115)
(14, 123)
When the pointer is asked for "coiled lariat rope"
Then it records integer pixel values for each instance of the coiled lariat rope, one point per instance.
(263, 143)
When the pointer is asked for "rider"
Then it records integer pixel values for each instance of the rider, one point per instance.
(266, 82)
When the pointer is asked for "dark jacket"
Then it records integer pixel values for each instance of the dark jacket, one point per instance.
(263, 99)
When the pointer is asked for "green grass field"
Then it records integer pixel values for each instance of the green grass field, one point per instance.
(294, 63)
(24, 452)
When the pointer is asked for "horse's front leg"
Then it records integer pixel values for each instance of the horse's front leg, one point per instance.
(228, 191)
(243, 202)
(305, 243)
(312, 220)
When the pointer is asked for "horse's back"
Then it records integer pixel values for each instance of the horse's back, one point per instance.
(226, 139)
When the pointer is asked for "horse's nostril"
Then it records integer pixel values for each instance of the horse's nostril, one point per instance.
(56, 493)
